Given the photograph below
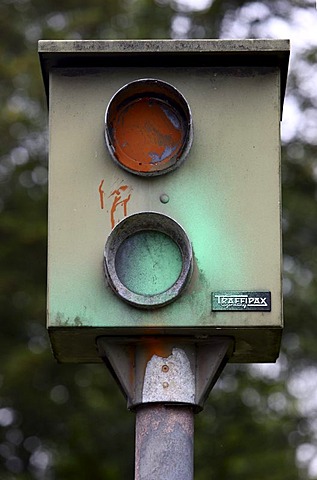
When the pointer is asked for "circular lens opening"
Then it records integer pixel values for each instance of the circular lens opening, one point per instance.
(147, 134)
(148, 127)
(148, 263)
(148, 260)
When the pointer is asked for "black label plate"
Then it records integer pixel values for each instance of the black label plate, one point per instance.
(235, 301)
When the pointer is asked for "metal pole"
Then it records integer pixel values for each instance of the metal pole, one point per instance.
(165, 379)
(164, 442)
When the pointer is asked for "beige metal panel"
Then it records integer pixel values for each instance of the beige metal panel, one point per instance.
(226, 196)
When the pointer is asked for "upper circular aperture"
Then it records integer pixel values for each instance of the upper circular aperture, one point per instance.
(148, 127)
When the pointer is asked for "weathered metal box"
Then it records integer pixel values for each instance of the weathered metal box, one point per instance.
(225, 195)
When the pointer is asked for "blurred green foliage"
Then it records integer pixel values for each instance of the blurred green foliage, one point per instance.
(69, 422)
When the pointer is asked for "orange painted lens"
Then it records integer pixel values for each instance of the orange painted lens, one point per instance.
(148, 127)
(147, 133)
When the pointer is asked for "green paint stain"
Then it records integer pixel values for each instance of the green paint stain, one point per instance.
(148, 262)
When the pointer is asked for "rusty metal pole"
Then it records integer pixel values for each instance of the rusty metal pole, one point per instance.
(164, 442)
(165, 380)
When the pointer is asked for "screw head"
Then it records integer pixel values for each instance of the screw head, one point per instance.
(164, 198)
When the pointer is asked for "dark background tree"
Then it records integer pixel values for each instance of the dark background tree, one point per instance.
(69, 422)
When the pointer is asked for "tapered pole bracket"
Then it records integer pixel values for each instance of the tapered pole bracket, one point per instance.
(166, 370)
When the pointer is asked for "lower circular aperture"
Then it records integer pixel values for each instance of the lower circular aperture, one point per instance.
(148, 262)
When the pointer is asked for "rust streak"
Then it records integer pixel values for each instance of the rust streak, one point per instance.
(101, 195)
(156, 346)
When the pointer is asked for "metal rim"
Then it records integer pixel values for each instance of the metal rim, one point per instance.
(162, 141)
(142, 222)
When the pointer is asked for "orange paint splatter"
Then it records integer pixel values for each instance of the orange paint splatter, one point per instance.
(101, 195)
(119, 201)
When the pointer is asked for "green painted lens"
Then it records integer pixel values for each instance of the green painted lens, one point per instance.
(148, 262)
